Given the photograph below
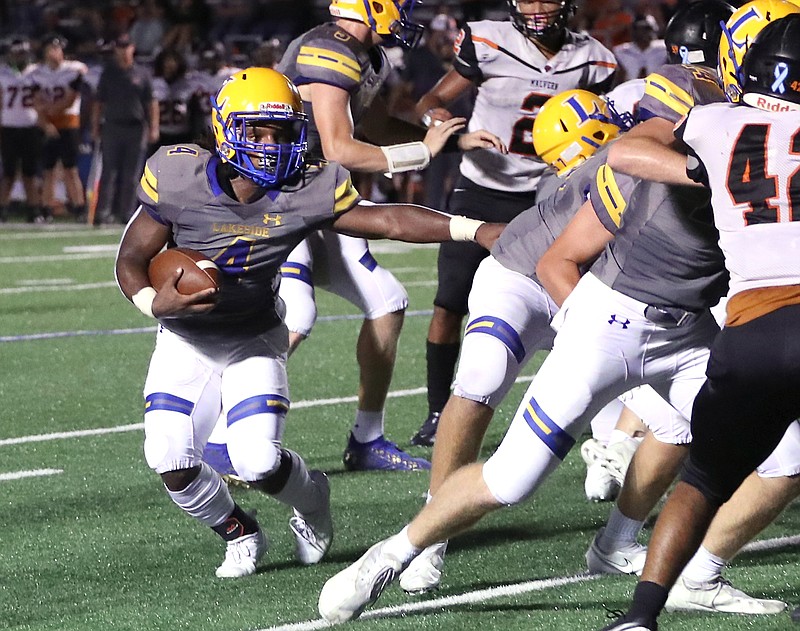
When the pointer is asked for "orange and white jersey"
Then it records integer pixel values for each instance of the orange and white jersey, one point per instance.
(751, 162)
(56, 83)
(514, 80)
(17, 93)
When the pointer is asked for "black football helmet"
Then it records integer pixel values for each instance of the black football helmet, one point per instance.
(692, 34)
(771, 66)
(547, 28)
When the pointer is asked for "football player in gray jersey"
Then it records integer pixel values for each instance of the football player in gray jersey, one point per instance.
(509, 311)
(516, 65)
(340, 68)
(223, 350)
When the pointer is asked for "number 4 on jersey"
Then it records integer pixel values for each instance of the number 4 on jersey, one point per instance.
(749, 181)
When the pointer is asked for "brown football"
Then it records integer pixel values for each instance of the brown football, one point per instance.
(199, 271)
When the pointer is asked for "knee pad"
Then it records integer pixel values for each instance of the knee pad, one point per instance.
(207, 498)
(488, 364)
(297, 292)
(169, 434)
(253, 459)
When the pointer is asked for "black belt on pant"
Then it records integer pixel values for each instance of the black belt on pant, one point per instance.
(669, 317)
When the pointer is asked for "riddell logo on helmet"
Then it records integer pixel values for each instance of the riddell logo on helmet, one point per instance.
(771, 105)
(275, 107)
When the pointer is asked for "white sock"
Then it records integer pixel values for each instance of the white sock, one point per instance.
(704, 567)
(300, 491)
(206, 498)
(368, 426)
(617, 436)
(620, 531)
(401, 548)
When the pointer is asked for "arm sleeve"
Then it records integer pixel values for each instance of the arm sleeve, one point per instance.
(345, 195)
(466, 61)
(609, 193)
(329, 62)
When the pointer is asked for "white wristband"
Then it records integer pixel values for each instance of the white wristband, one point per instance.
(143, 300)
(463, 228)
(408, 156)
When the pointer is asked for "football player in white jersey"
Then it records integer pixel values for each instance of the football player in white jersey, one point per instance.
(516, 65)
(750, 396)
(58, 101)
(20, 137)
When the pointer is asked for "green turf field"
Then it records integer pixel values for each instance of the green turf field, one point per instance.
(91, 542)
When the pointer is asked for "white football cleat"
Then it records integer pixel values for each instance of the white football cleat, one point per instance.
(720, 596)
(600, 485)
(626, 560)
(347, 594)
(618, 457)
(424, 573)
(242, 555)
(313, 532)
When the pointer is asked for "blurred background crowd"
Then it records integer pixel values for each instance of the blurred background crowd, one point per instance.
(178, 52)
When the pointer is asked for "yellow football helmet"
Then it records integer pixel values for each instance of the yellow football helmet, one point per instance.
(572, 125)
(737, 35)
(390, 18)
(257, 97)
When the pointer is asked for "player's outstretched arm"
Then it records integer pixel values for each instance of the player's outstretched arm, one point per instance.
(581, 242)
(648, 151)
(143, 239)
(414, 224)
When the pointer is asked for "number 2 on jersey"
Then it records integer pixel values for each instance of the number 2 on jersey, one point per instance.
(749, 181)
(522, 133)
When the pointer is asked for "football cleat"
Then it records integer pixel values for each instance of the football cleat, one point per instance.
(618, 458)
(626, 560)
(424, 573)
(313, 532)
(426, 434)
(720, 596)
(625, 623)
(380, 455)
(242, 555)
(347, 594)
(599, 485)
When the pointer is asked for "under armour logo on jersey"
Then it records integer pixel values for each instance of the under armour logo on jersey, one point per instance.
(624, 322)
(781, 72)
(275, 220)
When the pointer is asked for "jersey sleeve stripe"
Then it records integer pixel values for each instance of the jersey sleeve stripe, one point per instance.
(322, 58)
(671, 95)
(150, 184)
(345, 197)
(488, 42)
(613, 201)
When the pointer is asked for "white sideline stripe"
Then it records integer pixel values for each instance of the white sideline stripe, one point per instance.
(33, 473)
(467, 598)
(41, 288)
(311, 403)
(61, 232)
(47, 258)
(85, 249)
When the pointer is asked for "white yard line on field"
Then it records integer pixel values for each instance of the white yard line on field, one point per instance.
(467, 598)
(297, 405)
(33, 473)
(49, 258)
(41, 288)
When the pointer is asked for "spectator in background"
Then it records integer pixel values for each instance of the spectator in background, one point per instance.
(607, 21)
(174, 92)
(148, 28)
(124, 109)
(58, 102)
(20, 137)
(189, 23)
(641, 56)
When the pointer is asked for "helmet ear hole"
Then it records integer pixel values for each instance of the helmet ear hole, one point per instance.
(377, 8)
